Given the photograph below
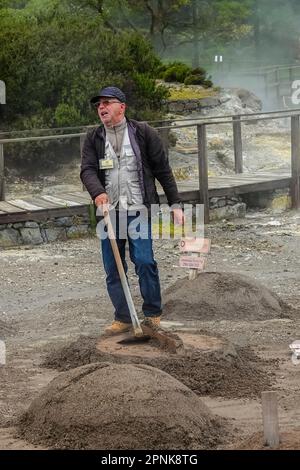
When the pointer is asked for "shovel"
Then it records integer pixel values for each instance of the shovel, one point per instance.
(139, 336)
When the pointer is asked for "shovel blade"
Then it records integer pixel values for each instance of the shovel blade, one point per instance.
(135, 339)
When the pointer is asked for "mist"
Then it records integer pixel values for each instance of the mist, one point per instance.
(265, 60)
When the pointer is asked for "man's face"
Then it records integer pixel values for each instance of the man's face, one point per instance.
(111, 111)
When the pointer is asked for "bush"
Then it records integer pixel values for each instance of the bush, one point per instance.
(67, 115)
(198, 71)
(52, 67)
(198, 80)
(144, 99)
(180, 72)
(198, 76)
(56, 64)
(176, 72)
(208, 83)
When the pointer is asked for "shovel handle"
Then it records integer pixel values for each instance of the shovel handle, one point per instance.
(111, 235)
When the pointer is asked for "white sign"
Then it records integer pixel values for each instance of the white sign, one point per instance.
(195, 245)
(192, 262)
(218, 58)
(2, 92)
(295, 347)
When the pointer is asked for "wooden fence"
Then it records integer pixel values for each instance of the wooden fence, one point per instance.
(201, 124)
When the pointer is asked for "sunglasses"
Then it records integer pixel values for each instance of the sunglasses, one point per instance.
(106, 103)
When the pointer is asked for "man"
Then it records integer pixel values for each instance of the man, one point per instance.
(120, 161)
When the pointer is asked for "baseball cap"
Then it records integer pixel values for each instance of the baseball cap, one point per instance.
(110, 92)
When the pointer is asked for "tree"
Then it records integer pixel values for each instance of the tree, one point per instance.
(173, 23)
(64, 59)
(275, 29)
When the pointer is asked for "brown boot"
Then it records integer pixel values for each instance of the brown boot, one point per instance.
(152, 322)
(117, 327)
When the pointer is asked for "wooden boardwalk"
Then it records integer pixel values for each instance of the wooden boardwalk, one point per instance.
(42, 207)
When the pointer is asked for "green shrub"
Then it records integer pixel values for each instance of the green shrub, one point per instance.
(144, 99)
(52, 67)
(208, 83)
(198, 80)
(198, 71)
(67, 115)
(57, 65)
(198, 76)
(193, 80)
(180, 72)
(160, 71)
(176, 72)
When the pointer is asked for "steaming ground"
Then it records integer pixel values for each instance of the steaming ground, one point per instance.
(53, 294)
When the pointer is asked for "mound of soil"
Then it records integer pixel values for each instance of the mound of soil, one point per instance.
(227, 371)
(114, 406)
(222, 296)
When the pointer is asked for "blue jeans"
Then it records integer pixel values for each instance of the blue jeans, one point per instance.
(141, 254)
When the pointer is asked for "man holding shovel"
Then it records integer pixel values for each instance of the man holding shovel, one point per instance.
(120, 161)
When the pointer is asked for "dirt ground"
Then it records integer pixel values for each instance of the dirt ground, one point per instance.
(53, 294)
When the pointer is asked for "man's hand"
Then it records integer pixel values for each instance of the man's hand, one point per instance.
(179, 217)
(102, 202)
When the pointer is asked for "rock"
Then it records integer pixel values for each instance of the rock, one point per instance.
(248, 99)
(229, 212)
(31, 236)
(176, 106)
(214, 200)
(43, 235)
(63, 222)
(77, 231)
(9, 237)
(55, 233)
(31, 225)
(222, 203)
(209, 102)
(191, 105)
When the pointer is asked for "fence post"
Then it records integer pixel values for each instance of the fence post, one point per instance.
(270, 419)
(295, 163)
(2, 179)
(277, 82)
(81, 141)
(203, 170)
(266, 84)
(291, 75)
(237, 144)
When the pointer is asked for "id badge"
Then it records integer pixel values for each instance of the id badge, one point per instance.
(106, 164)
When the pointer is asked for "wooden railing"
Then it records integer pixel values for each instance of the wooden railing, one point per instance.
(236, 121)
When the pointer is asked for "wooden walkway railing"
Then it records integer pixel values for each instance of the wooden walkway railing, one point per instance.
(203, 183)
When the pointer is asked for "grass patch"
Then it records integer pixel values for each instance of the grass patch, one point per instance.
(188, 94)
